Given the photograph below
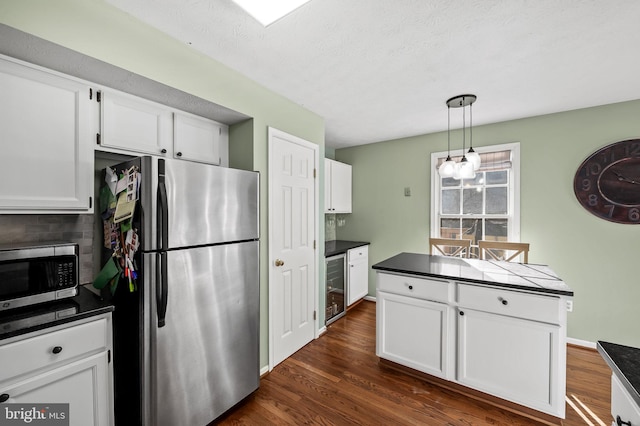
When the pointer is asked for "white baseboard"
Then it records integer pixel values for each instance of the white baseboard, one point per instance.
(370, 298)
(584, 343)
(322, 330)
(264, 370)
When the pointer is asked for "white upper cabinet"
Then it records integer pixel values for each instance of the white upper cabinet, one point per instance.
(198, 139)
(46, 131)
(337, 189)
(131, 123)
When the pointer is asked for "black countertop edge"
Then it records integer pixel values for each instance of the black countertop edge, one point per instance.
(38, 317)
(535, 289)
(335, 247)
(624, 361)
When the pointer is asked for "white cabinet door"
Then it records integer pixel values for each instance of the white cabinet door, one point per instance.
(198, 139)
(135, 124)
(45, 130)
(413, 332)
(338, 190)
(357, 274)
(512, 358)
(623, 405)
(83, 384)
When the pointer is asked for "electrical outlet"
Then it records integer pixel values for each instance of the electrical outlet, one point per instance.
(407, 191)
(569, 305)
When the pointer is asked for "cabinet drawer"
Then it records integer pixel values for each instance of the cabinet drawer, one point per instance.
(33, 353)
(422, 288)
(512, 303)
(358, 253)
(622, 404)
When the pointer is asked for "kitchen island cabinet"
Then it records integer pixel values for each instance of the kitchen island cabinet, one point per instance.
(497, 329)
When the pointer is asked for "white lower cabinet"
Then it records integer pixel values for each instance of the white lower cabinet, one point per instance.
(511, 358)
(505, 343)
(67, 364)
(357, 274)
(413, 332)
(623, 409)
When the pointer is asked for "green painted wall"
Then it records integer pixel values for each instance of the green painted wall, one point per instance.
(598, 259)
(96, 29)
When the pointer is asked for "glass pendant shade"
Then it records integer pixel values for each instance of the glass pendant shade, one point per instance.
(466, 169)
(447, 168)
(474, 158)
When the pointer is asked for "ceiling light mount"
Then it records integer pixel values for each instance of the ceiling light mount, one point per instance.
(470, 162)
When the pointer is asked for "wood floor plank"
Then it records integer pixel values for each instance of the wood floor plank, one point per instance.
(337, 380)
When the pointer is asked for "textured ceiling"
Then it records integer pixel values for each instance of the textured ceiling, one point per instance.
(383, 69)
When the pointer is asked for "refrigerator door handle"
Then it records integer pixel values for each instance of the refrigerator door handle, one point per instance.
(161, 288)
(162, 212)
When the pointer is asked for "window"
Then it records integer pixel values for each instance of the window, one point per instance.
(483, 208)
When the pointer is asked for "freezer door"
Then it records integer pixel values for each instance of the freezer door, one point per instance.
(208, 204)
(205, 359)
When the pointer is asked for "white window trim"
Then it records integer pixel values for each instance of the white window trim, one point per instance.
(514, 191)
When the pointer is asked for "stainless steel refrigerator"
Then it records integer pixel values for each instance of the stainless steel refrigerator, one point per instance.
(186, 343)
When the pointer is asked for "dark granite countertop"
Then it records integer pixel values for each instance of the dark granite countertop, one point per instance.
(332, 248)
(37, 317)
(625, 364)
(531, 277)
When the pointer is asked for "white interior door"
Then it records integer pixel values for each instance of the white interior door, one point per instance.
(292, 235)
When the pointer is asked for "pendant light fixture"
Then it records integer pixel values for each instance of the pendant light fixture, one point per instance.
(470, 162)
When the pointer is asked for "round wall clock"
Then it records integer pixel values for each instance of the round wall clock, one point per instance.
(607, 183)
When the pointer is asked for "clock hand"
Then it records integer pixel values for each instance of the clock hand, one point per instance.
(622, 178)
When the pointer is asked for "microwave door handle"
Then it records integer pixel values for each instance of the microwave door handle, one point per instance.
(161, 288)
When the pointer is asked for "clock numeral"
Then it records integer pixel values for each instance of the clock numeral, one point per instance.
(593, 200)
(634, 214)
(611, 207)
(633, 150)
(593, 169)
(609, 156)
(586, 184)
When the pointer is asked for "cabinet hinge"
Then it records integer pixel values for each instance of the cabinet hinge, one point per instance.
(98, 138)
(109, 356)
(314, 173)
(314, 315)
(98, 96)
(314, 244)
(219, 130)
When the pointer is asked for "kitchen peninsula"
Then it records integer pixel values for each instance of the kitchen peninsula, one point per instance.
(491, 330)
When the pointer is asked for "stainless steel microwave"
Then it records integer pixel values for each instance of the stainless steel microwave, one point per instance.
(37, 273)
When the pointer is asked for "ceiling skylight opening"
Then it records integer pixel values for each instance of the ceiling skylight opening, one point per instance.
(267, 12)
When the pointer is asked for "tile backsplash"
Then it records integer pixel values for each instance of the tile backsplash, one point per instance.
(33, 228)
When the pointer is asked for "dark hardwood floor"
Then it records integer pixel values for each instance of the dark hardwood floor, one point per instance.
(336, 380)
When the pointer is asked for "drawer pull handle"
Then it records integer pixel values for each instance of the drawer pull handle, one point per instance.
(56, 350)
(461, 313)
(619, 422)
(410, 287)
(505, 302)
(5, 396)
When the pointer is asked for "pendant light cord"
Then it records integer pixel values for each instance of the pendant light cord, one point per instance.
(463, 129)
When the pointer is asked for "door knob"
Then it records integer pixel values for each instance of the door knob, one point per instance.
(279, 262)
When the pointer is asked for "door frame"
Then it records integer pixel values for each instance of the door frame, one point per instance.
(271, 132)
